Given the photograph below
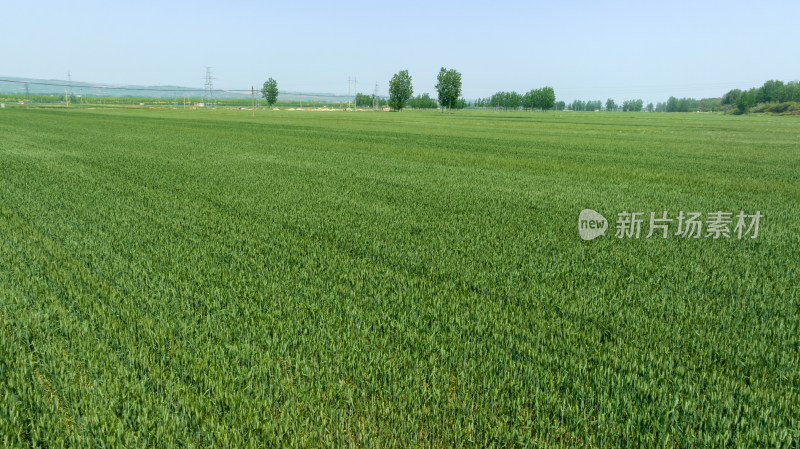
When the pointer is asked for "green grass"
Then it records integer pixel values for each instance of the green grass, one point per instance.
(206, 279)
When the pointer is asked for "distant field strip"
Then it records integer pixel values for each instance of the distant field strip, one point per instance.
(174, 278)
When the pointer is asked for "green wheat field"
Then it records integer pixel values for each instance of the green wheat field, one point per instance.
(194, 279)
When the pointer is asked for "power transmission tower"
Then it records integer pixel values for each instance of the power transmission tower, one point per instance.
(209, 93)
(69, 82)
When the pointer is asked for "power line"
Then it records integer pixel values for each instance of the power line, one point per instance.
(167, 90)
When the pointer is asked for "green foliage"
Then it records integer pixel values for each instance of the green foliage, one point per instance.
(682, 105)
(270, 91)
(772, 91)
(363, 100)
(632, 105)
(744, 102)
(611, 105)
(482, 102)
(787, 108)
(423, 101)
(547, 98)
(544, 99)
(731, 96)
(448, 86)
(579, 105)
(710, 104)
(461, 103)
(400, 90)
(208, 279)
(507, 100)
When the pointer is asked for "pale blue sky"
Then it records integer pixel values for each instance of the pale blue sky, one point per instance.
(584, 49)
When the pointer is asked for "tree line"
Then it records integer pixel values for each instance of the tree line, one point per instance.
(674, 104)
(772, 91)
(542, 99)
(779, 97)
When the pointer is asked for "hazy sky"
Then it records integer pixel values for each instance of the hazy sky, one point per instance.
(583, 49)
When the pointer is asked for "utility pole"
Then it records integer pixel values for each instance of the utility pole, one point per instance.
(348, 92)
(374, 96)
(66, 96)
(253, 95)
(355, 95)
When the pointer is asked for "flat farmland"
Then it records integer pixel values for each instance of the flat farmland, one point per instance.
(175, 278)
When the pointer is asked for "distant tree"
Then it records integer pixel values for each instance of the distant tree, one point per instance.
(498, 100)
(731, 96)
(745, 101)
(507, 100)
(449, 87)
(610, 105)
(650, 107)
(793, 91)
(710, 104)
(400, 90)
(578, 105)
(513, 100)
(771, 91)
(682, 104)
(547, 98)
(672, 104)
(530, 99)
(423, 101)
(363, 100)
(632, 105)
(482, 103)
(270, 91)
(741, 104)
(560, 105)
